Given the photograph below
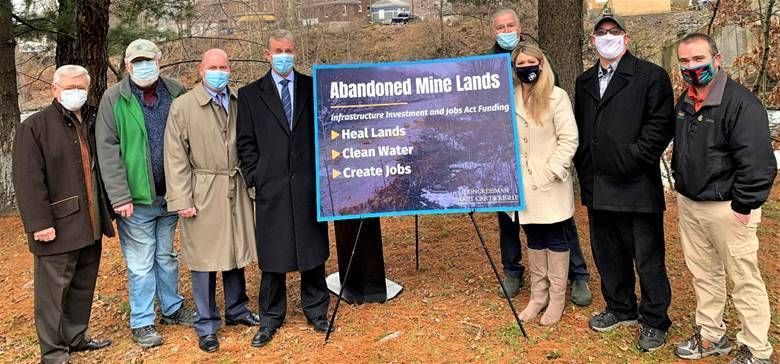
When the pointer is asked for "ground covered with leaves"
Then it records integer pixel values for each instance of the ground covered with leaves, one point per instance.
(449, 311)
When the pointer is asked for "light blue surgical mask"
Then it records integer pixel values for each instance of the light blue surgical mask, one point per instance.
(507, 41)
(217, 80)
(282, 63)
(145, 73)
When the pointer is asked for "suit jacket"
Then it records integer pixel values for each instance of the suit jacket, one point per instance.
(622, 136)
(49, 180)
(279, 162)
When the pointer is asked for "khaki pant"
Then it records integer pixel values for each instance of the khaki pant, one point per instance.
(716, 243)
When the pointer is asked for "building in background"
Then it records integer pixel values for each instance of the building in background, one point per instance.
(383, 11)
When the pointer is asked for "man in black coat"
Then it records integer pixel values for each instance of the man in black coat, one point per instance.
(64, 209)
(276, 148)
(624, 109)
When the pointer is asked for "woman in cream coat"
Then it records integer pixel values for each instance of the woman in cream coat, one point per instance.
(548, 139)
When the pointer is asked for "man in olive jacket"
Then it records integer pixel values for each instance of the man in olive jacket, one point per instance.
(624, 109)
(64, 210)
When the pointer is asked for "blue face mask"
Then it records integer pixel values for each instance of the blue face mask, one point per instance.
(146, 70)
(282, 63)
(507, 41)
(216, 80)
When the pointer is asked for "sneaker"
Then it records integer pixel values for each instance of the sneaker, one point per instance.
(650, 339)
(606, 321)
(182, 316)
(512, 285)
(697, 347)
(580, 293)
(147, 337)
(744, 356)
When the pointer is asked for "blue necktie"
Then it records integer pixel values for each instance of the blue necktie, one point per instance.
(286, 101)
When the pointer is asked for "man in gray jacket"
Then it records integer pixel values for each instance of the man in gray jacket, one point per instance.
(130, 129)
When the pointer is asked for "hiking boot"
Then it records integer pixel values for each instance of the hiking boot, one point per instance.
(650, 339)
(606, 321)
(182, 316)
(512, 285)
(744, 356)
(697, 347)
(580, 293)
(147, 337)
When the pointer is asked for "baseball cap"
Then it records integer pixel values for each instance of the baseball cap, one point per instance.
(610, 17)
(141, 48)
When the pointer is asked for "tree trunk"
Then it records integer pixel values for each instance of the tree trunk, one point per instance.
(92, 25)
(561, 36)
(9, 98)
(67, 45)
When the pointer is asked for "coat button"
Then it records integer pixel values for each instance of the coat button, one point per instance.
(595, 140)
(525, 140)
(533, 187)
(530, 172)
(291, 175)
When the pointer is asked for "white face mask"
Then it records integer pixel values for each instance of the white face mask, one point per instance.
(610, 46)
(73, 99)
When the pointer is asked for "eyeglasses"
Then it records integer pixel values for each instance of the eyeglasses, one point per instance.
(602, 32)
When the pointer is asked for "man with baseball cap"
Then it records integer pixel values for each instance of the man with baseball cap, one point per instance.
(130, 129)
(625, 115)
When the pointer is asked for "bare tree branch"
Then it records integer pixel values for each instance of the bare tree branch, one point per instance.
(765, 51)
(198, 61)
(712, 19)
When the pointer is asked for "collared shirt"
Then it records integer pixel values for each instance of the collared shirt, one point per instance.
(697, 100)
(606, 75)
(278, 79)
(224, 99)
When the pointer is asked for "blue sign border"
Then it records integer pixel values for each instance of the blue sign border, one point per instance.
(521, 199)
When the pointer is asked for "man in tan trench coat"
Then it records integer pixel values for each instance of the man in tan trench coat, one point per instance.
(205, 188)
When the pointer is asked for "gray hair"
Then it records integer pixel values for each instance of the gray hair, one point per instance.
(70, 70)
(281, 34)
(503, 11)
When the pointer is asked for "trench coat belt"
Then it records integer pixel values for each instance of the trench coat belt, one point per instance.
(230, 173)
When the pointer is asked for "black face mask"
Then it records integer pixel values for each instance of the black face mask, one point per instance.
(528, 74)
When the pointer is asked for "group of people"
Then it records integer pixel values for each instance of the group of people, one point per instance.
(623, 119)
(154, 154)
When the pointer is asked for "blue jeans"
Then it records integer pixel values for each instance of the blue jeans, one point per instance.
(146, 238)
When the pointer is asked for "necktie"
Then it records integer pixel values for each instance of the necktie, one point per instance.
(220, 103)
(286, 101)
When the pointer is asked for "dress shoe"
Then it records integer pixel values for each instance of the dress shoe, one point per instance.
(208, 343)
(249, 320)
(263, 336)
(321, 324)
(91, 344)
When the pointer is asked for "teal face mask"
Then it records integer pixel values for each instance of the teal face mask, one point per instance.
(699, 75)
(507, 41)
(282, 63)
(216, 80)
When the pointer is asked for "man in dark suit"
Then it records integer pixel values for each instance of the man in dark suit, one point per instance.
(276, 149)
(64, 209)
(625, 115)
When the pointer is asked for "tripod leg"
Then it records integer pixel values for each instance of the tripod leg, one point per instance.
(343, 283)
(493, 265)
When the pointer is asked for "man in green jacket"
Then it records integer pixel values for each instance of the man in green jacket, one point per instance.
(130, 129)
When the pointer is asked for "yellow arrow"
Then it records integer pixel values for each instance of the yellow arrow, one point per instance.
(334, 154)
(336, 173)
(333, 134)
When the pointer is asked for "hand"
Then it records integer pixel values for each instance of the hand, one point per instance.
(190, 212)
(742, 217)
(45, 235)
(125, 210)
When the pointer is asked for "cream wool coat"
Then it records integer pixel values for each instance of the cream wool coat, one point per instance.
(201, 171)
(546, 154)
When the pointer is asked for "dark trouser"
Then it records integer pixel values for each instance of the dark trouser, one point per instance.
(273, 296)
(64, 286)
(511, 253)
(618, 240)
(203, 292)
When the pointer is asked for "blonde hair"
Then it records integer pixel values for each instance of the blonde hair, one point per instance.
(538, 101)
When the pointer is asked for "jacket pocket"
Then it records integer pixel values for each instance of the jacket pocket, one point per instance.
(65, 207)
(540, 174)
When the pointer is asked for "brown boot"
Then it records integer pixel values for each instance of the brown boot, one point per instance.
(537, 264)
(557, 273)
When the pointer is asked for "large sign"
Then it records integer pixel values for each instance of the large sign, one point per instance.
(422, 137)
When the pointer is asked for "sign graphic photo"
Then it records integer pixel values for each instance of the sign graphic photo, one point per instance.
(419, 137)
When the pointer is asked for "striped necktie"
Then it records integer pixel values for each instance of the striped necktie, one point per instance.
(286, 101)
